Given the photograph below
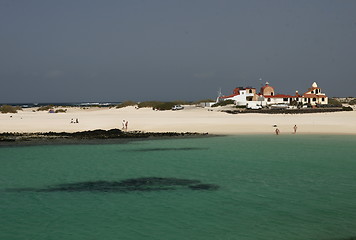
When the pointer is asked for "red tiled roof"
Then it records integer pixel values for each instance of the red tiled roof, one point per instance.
(311, 89)
(232, 95)
(237, 91)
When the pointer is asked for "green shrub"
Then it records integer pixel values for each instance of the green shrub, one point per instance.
(45, 108)
(165, 106)
(151, 104)
(9, 109)
(352, 102)
(300, 105)
(333, 102)
(347, 108)
(224, 103)
(241, 106)
(294, 103)
(156, 105)
(61, 110)
(126, 104)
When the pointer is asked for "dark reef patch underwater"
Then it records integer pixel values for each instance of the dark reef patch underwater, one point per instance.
(128, 185)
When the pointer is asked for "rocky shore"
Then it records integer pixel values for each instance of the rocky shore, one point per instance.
(85, 136)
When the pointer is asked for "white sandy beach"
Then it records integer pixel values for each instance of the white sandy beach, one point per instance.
(191, 119)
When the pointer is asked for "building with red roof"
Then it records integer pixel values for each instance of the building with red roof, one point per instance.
(314, 96)
(267, 96)
(241, 96)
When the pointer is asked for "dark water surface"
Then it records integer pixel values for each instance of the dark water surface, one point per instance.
(241, 187)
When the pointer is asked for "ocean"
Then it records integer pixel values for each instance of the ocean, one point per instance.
(246, 187)
(65, 104)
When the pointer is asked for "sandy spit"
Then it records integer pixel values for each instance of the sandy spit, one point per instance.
(190, 119)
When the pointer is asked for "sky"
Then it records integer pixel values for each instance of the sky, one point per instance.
(109, 50)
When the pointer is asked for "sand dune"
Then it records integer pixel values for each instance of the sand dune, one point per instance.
(191, 119)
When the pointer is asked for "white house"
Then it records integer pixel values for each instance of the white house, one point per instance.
(314, 96)
(267, 96)
(271, 98)
(241, 96)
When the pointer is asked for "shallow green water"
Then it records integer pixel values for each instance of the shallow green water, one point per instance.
(270, 187)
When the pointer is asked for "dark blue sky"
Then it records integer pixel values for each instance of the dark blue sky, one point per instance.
(86, 50)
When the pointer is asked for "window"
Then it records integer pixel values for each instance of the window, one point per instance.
(323, 99)
(250, 91)
(271, 93)
(314, 99)
(268, 99)
(305, 100)
(312, 91)
(285, 99)
(297, 99)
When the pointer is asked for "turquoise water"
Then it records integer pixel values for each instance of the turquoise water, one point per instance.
(269, 187)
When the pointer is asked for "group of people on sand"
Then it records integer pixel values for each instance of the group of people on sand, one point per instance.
(277, 131)
(74, 121)
(125, 124)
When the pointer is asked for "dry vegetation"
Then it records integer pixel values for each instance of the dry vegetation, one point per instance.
(126, 104)
(9, 109)
(45, 108)
(156, 105)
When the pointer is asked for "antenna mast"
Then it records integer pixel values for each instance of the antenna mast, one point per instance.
(219, 95)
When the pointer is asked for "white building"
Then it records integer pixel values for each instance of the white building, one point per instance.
(314, 96)
(248, 96)
(241, 96)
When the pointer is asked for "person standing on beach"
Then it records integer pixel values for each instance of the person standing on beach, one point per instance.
(277, 131)
(295, 129)
(123, 124)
